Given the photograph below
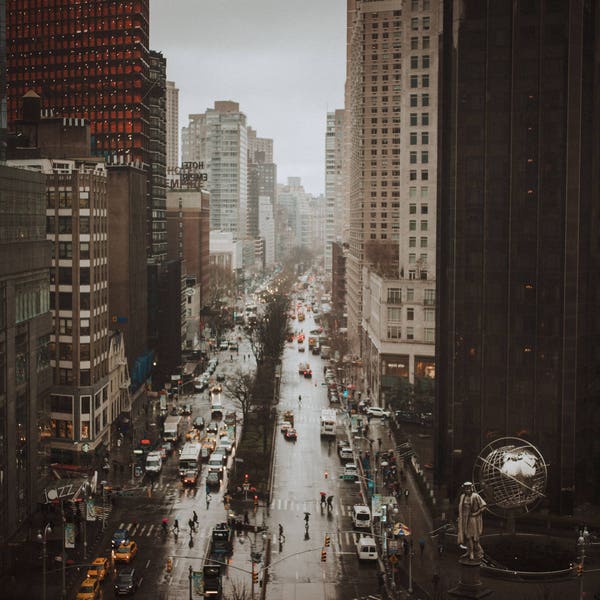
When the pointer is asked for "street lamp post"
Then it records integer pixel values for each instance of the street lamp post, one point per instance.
(42, 537)
(582, 541)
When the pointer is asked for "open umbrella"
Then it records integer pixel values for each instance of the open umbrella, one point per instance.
(401, 530)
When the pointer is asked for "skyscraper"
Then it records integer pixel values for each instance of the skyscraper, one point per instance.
(218, 139)
(85, 59)
(391, 129)
(518, 351)
(172, 125)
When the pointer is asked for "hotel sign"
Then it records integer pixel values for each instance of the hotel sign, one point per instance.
(190, 176)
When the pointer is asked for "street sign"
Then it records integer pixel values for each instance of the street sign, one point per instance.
(245, 486)
(393, 559)
(348, 477)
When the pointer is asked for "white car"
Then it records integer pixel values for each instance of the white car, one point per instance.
(377, 411)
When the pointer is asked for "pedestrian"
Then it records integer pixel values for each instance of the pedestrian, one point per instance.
(406, 495)
(379, 442)
(422, 546)
(323, 498)
(176, 525)
(195, 518)
(281, 536)
(329, 502)
(246, 518)
(191, 525)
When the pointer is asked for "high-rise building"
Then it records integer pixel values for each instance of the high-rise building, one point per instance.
(25, 328)
(218, 139)
(518, 347)
(88, 60)
(172, 125)
(157, 138)
(256, 145)
(334, 191)
(391, 116)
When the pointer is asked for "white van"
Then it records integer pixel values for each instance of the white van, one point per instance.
(366, 548)
(361, 516)
(153, 462)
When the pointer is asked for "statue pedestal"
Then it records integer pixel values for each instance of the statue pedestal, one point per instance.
(470, 585)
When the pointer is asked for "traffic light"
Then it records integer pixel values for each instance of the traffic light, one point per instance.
(254, 577)
(579, 569)
(327, 541)
(323, 555)
(169, 565)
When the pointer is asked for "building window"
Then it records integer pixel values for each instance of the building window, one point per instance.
(414, 62)
(414, 5)
(429, 314)
(425, 80)
(61, 428)
(425, 137)
(413, 119)
(412, 259)
(426, 5)
(84, 250)
(414, 43)
(424, 99)
(425, 119)
(425, 42)
(412, 209)
(413, 157)
(425, 175)
(410, 295)
(412, 175)
(410, 314)
(423, 225)
(394, 314)
(394, 296)
(412, 225)
(412, 242)
(424, 157)
(426, 23)
(414, 81)
(429, 335)
(413, 138)
(394, 332)
(414, 23)
(414, 100)
(61, 404)
(423, 242)
(410, 333)
(425, 61)
(424, 194)
(412, 192)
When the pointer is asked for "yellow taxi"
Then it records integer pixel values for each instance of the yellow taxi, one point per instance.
(126, 551)
(89, 590)
(99, 568)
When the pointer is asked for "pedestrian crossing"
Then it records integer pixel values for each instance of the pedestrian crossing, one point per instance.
(311, 506)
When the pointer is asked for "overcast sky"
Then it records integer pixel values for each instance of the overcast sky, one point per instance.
(282, 60)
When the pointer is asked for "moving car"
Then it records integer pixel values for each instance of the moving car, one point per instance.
(351, 470)
(126, 551)
(89, 590)
(284, 426)
(291, 434)
(190, 477)
(361, 516)
(377, 411)
(213, 427)
(226, 444)
(198, 423)
(99, 568)
(126, 582)
(120, 535)
(213, 480)
(366, 549)
(186, 410)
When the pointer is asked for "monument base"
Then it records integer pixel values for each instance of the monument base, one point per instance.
(470, 586)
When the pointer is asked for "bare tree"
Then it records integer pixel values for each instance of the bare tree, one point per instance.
(240, 386)
(239, 590)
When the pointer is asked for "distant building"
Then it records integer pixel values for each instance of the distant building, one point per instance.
(266, 230)
(172, 125)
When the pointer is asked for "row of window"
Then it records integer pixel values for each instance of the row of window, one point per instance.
(65, 225)
(65, 250)
(394, 314)
(394, 332)
(394, 296)
(65, 300)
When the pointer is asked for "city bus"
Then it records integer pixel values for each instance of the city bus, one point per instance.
(328, 421)
(190, 458)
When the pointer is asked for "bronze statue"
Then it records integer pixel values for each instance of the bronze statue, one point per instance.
(470, 521)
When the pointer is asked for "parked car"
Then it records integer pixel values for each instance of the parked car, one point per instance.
(291, 434)
(126, 582)
(198, 423)
(186, 410)
(226, 444)
(377, 411)
(284, 426)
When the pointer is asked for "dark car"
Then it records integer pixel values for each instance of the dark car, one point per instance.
(213, 427)
(190, 477)
(186, 410)
(199, 423)
(120, 535)
(213, 480)
(126, 582)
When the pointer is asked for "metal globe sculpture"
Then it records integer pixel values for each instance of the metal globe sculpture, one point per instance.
(511, 474)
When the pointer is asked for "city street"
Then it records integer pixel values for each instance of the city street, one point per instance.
(303, 469)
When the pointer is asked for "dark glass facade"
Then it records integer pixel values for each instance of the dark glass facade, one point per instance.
(86, 59)
(518, 349)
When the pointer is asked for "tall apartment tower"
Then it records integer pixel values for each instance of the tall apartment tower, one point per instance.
(518, 351)
(86, 59)
(157, 206)
(391, 104)
(172, 125)
(218, 139)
